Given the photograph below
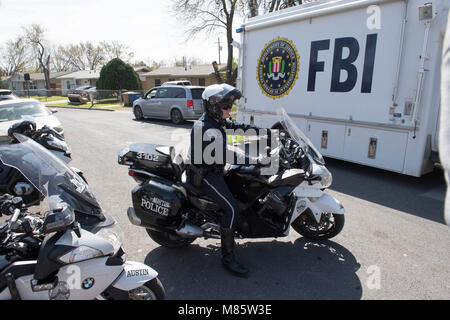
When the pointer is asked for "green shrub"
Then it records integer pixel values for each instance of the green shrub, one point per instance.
(117, 75)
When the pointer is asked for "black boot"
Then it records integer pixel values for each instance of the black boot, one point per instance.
(228, 259)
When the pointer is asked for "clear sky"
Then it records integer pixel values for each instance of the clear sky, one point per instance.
(146, 26)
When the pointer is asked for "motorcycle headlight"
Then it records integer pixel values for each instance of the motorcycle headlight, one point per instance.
(327, 178)
(113, 234)
(324, 173)
(80, 254)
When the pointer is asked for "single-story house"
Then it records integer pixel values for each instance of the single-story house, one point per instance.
(201, 75)
(36, 86)
(141, 71)
(77, 79)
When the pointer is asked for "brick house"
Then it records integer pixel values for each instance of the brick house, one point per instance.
(199, 75)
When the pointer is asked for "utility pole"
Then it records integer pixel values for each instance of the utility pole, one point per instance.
(219, 47)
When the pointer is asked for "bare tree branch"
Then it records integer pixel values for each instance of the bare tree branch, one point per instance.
(14, 57)
(34, 34)
(208, 16)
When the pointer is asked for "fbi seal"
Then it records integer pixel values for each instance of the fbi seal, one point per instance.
(277, 68)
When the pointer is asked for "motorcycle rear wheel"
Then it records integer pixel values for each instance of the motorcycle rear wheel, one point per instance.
(169, 240)
(308, 229)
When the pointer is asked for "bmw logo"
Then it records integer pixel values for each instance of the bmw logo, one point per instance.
(88, 283)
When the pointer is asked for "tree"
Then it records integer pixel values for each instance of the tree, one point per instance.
(117, 75)
(35, 36)
(61, 59)
(114, 49)
(275, 5)
(187, 61)
(95, 55)
(14, 57)
(208, 16)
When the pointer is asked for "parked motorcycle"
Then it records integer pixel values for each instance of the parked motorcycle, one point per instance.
(75, 250)
(12, 181)
(175, 213)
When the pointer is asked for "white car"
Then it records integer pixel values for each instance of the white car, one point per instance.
(12, 111)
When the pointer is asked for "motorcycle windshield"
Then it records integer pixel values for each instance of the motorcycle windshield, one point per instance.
(49, 175)
(298, 135)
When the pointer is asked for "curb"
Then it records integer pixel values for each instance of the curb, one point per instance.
(78, 108)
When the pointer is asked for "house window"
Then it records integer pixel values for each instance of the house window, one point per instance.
(171, 79)
(157, 82)
(201, 82)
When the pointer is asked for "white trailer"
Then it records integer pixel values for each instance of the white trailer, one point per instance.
(360, 78)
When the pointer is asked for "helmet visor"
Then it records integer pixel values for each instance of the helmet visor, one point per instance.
(226, 105)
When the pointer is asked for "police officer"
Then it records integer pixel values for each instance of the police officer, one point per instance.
(208, 174)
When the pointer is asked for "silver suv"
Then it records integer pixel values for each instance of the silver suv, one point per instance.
(176, 103)
(178, 83)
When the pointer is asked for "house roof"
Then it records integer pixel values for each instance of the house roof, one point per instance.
(83, 74)
(53, 75)
(37, 76)
(198, 70)
(142, 69)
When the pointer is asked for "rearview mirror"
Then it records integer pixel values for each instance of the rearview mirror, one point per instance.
(54, 111)
(58, 220)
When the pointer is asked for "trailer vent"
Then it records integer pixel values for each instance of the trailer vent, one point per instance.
(408, 108)
(426, 12)
(324, 139)
(372, 148)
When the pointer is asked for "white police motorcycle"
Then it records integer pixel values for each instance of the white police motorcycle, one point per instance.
(74, 252)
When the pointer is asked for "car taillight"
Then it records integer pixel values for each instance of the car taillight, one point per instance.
(131, 173)
(190, 104)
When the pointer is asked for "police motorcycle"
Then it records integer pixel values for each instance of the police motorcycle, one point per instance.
(175, 213)
(74, 251)
(11, 181)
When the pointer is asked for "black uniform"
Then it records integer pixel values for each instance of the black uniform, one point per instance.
(205, 132)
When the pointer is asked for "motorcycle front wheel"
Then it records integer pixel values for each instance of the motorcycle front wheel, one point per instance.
(169, 239)
(330, 225)
(151, 290)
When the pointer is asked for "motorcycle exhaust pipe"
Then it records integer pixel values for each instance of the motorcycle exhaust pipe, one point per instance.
(190, 231)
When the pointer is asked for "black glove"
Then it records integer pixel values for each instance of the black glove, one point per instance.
(6, 204)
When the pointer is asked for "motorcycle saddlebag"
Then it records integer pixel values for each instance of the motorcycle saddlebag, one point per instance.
(157, 204)
(152, 158)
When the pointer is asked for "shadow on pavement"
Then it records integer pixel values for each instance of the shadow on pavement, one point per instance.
(422, 197)
(278, 271)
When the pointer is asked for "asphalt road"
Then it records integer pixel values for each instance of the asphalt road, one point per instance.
(394, 245)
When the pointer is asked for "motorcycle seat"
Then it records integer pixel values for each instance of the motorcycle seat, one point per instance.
(252, 170)
(191, 189)
(199, 199)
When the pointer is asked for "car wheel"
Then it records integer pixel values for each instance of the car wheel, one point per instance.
(138, 113)
(176, 116)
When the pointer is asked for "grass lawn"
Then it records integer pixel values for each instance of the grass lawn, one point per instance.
(102, 105)
(44, 98)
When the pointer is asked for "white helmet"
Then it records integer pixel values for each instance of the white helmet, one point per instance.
(217, 97)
